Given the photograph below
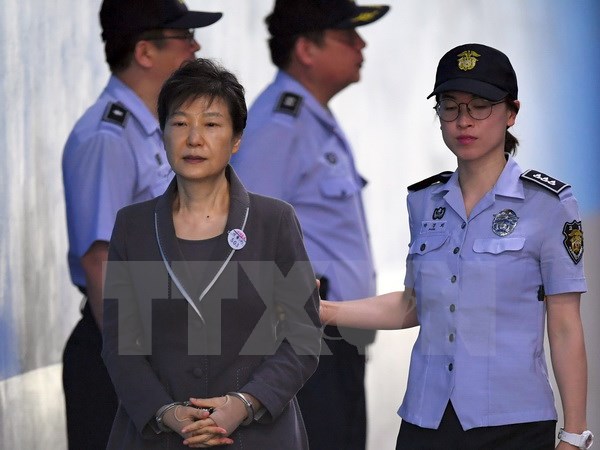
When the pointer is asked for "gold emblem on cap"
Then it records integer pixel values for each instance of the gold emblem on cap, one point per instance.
(365, 16)
(467, 60)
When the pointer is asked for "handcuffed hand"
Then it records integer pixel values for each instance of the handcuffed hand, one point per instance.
(181, 417)
(228, 414)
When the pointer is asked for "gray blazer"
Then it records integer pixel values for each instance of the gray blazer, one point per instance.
(255, 328)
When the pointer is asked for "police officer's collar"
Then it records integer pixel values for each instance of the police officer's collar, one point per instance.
(134, 104)
(287, 83)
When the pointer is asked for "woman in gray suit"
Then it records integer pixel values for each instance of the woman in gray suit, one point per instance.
(210, 318)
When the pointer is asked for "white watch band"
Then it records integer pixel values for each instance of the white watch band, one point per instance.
(583, 441)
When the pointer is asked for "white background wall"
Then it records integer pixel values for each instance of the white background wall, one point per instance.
(52, 68)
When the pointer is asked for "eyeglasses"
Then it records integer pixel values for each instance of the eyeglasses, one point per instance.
(186, 36)
(478, 108)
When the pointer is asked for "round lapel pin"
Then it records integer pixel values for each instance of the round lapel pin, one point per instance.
(236, 239)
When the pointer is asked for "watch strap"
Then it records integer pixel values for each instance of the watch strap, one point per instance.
(582, 441)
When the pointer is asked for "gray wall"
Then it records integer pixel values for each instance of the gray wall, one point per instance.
(52, 69)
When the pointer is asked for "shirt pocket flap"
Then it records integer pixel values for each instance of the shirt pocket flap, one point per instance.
(425, 244)
(495, 246)
(338, 187)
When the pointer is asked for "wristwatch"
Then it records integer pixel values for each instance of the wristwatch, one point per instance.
(583, 440)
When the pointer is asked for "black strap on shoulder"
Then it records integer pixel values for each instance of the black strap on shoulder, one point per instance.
(116, 113)
(544, 180)
(289, 103)
(441, 177)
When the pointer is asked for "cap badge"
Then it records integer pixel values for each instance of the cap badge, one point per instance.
(366, 16)
(467, 60)
(573, 233)
(504, 222)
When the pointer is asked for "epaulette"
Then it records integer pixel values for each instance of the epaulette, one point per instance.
(116, 113)
(289, 103)
(441, 177)
(544, 180)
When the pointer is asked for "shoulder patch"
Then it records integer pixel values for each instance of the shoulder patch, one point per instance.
(116, 113)
(441, 177)
(289, 103)
(544, 180)
(573, 233)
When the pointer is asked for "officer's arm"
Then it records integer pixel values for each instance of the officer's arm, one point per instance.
(569, 361)
(391, 311)
(93, 263)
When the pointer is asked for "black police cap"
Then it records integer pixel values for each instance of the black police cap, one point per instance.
(133, 16)
(476, 69)
(290, 17)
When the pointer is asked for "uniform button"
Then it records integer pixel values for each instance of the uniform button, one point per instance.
(450, 367)
(452, 307)
(197, 372)
(451, 337)
(456, 250)
(463, 225)
(453, 279)
(423, 247)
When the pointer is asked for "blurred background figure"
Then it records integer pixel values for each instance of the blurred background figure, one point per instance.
(294, 149)
(113, 157)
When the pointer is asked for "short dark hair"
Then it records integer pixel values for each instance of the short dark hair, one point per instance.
(119, 47)
(281, 47)
(203, 78)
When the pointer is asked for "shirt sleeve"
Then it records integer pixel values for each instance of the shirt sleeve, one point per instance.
(409, 281)
(100, 178)
(561, 253)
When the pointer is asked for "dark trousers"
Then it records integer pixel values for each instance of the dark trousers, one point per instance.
(91, 402)
(451, 436)
(333, 400)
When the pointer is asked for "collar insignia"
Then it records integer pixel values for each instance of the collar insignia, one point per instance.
(116, 114)
(289, 103)
(438, 213)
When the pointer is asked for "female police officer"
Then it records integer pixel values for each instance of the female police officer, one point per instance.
(492, 250)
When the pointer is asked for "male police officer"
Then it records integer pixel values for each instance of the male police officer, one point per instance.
(114, 156)
(294, 149)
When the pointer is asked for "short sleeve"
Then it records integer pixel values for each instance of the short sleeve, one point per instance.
(99, 176)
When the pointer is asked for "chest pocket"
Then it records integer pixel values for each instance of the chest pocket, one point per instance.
(425, 244)
(339, 187)
(497, 246)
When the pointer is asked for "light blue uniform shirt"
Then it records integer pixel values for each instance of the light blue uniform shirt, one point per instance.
(113, 157)
(481, 341)
(293, 149)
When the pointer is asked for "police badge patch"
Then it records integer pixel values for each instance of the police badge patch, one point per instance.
(573, 233)
(504, 222)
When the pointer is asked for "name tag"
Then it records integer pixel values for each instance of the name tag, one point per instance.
(433, 226)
